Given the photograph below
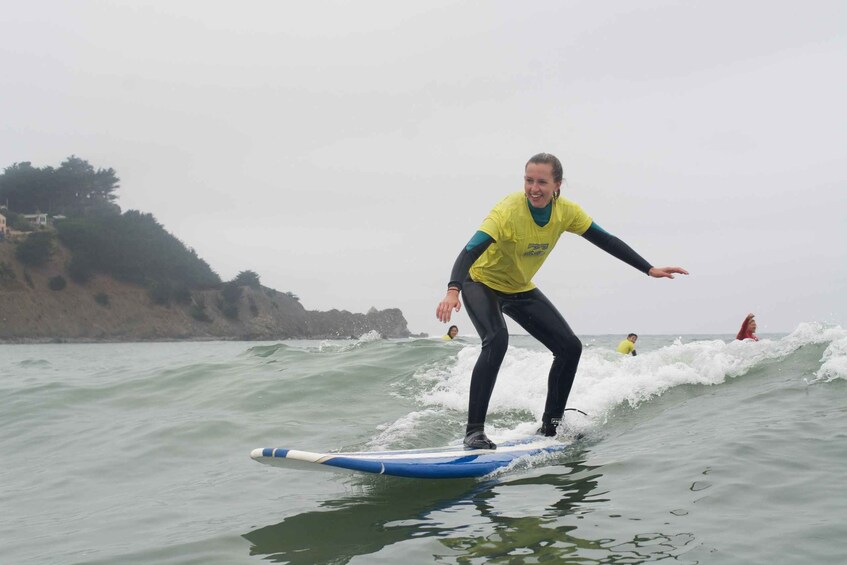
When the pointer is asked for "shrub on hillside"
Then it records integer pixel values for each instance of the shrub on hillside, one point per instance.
(199, 313)
(6, 272)
(101, 298)
(230, 310)
(80, 268)
(181, 294)
(231, 292)
(36, 249)
(160, 293)
(57, 283)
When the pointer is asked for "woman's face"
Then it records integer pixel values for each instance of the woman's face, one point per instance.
(752, 325)
(539, 184)
(453, 332)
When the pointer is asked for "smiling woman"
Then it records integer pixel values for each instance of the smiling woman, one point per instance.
(494, 273)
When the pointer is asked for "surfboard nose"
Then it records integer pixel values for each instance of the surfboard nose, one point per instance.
(257, 453)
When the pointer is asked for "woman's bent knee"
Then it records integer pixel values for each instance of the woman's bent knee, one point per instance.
(569, 348)
(497, 342)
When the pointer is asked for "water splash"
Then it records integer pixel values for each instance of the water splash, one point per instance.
(607, 380)
(834, 359)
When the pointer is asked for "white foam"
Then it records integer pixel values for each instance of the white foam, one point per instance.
(834, 360)
(606, 379)
(370, 336)
(403, 428)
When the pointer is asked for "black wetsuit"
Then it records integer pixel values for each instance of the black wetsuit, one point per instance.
(534, 313)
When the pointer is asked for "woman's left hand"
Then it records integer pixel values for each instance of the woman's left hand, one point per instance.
(666, 272)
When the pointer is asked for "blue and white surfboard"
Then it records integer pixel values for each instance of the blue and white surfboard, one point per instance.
(437, 463)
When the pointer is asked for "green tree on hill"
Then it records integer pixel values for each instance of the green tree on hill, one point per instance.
(131, 246)
(248, 278)
(134, 247)
(74, 188)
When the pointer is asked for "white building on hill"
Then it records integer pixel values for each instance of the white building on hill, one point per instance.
(37, 219)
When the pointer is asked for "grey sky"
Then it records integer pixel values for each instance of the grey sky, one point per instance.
(346, 151)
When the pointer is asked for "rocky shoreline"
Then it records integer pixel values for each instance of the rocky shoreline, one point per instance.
(106, 310)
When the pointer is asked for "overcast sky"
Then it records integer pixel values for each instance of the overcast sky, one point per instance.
(346, 151)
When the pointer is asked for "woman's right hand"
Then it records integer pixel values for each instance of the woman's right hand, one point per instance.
(448, 305)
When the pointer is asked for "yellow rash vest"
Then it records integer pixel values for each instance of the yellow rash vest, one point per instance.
(520, 245)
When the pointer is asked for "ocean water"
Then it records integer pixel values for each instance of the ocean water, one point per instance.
(699, 450)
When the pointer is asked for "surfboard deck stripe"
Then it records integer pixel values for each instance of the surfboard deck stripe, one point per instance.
(436, 463)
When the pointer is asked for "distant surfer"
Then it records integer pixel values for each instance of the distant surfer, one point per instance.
(494, 274)
(451, 333)
(627, 346)
(748, 329)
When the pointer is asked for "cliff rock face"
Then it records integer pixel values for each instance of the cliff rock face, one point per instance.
(109, 310)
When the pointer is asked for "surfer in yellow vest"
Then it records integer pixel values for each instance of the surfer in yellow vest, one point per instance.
(494, 271)
(451, 333)
(627, 346)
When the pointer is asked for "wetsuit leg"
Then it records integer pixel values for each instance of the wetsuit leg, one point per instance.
(537, 315)
(483, 307)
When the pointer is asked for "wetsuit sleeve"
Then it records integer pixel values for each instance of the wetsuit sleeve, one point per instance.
(742, 333)
(467, 257)
(616, 248)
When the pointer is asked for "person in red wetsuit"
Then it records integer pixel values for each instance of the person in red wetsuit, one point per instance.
(748, 329)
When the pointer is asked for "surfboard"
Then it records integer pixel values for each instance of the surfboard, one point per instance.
(449, 462)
